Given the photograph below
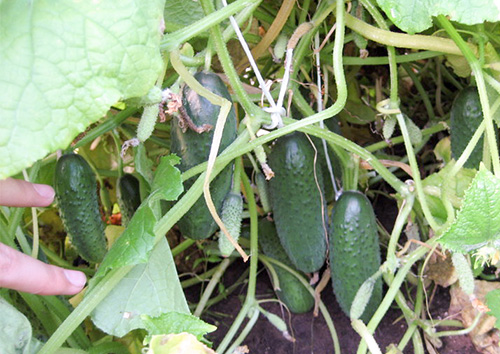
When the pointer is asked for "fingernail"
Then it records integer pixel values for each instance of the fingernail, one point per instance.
(44, 190)
(75, 277)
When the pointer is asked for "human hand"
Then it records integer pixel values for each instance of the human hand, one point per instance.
(21, 272)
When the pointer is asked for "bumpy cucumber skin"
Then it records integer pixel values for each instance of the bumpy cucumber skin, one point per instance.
(194, 148)
(298, 207)
(232, 208)
(466, 116)
(76, 195)
(354, 250)
(128, 196)
(295, 296)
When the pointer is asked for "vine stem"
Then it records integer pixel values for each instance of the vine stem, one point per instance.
(401, 40)
(221, 268)
(322, 307)
(84, 309)
(172, 40)
(393, 290)
(416, 174)
(481, 87)
(227, 64)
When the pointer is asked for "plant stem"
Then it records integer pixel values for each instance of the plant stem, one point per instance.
(108, 124)
(221, 268)
(181, 247)
(173, 40)
(244, 333)
(392, 291)
(83, 310)
(416, 174)
(254, 241)
(481, 87)
(227, 63)
(401, 40)
(421, 91)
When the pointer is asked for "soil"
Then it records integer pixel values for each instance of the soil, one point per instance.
(311, 333)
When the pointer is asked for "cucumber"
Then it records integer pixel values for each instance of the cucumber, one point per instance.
(232, 208)
(331, 124)
(194, 148)
(76, 195)
(466, 116)
(354, 250)
(298, 205)
(128, 196)
(295, 296)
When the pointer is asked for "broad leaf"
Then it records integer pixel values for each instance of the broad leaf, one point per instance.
(175, 322)
(493, 303)
(63, 64)
(182, 13)
(15, 331)
(415, 16)
(148, 289)
(440, 184)
(137, 241)
(478, 221)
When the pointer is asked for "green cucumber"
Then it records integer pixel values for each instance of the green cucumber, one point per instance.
(354, 250)
(194, 148)
(76, 194)
(232, 208)
(128, 196)
(297, 201)
(466, 116)
(295, 296)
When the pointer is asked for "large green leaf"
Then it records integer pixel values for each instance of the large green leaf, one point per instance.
(15, 331)
(148, 289)
(478, 221)
(415, 16)
(63, 64)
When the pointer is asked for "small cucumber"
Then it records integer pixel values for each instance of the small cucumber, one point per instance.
(232, 208)
(295, 296)
(194, 148)
(128, 196)
(354, 250)
(76, 194)
(466, 116)
(297, 200)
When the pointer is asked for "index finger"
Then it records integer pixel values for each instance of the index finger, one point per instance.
(19, 193)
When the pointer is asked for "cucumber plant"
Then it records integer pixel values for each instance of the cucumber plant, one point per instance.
(142, 55)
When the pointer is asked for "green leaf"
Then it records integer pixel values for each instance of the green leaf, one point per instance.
(493, 303)
(136, 242)
(15, 331)
(438, 184)
(478, 221)
(148, 289)
(182, 13)
(175, 322)
(63, 64)
(415, 16)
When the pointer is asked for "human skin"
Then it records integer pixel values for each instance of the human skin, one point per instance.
(21, 272)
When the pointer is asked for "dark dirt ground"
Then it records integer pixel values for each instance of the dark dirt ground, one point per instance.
(311, 334)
